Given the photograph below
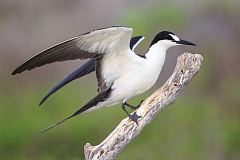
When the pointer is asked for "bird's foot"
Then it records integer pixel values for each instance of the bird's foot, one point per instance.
(134, 117)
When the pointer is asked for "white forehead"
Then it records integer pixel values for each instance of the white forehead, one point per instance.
(175, 37)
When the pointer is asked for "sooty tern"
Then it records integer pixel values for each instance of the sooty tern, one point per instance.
(121, 74)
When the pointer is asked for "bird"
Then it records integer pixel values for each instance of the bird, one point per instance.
(120, 72)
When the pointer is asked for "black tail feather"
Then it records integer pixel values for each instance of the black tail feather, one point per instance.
(73, 115)
(54, 125)
(94, 102)
(84, 69)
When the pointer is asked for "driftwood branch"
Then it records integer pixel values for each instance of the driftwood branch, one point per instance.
(187, 66)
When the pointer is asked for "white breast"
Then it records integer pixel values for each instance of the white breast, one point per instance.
(132, 75)
(135, 76)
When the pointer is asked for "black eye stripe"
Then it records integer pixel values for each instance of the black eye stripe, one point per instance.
(170, 37)
(164, 35)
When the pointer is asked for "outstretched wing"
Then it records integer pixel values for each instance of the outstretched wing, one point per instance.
(87, 45)
(84, 69)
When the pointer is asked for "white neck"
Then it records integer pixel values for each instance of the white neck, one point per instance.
(156, 54)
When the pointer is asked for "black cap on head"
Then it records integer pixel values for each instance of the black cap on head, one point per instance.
(164, 35)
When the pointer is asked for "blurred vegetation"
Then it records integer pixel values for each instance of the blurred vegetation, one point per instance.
(172, 16)
(204, 123)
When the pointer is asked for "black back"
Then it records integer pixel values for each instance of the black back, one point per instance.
(134, 41)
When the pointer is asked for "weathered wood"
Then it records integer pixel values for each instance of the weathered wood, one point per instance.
(187, 66)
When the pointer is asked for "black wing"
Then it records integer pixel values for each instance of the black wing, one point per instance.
(67, 50)
(82, 47)
(84, 69)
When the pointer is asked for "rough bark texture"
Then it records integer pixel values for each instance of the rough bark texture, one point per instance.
(187, 66)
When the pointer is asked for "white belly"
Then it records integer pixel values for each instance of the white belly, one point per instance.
(134, 84)
(136, 78)
(131, 75)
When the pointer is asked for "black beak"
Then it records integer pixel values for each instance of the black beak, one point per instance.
(186, 42)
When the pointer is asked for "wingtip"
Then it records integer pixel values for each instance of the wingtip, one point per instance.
(14, 72)
(17, 71)
(41, 102)
(45, 98)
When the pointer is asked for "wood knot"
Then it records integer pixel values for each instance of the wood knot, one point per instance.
(101, 152)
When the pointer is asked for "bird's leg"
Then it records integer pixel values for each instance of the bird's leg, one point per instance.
(134, 117)
(139, 104)
(133, 107)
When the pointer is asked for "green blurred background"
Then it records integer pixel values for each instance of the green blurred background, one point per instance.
(203, 124)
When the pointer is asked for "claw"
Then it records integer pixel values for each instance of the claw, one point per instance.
(134, 117)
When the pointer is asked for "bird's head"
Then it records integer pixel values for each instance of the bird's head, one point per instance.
(168, 39)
